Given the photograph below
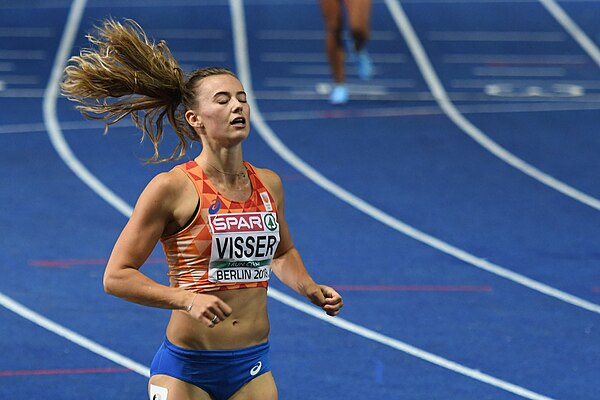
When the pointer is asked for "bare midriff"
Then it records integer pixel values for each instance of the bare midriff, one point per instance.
(248, 324)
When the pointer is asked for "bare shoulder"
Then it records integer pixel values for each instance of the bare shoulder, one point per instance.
(270, 179)
(170, 198)
(165, 190)
(169, 184)
(273, 183)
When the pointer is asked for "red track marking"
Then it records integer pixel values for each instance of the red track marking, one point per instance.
(68, 263)
(63, 371)
(77, 262)
(413, 288)
(336, 114)
(596, 290)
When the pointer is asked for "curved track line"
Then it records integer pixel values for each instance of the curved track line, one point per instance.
(69, 158)
(406, 348)
(570, 26)
(241, 51)
(243, 64)
(65, 152)
(72, 336)
(441, 97)
(51, 121)
(71, 26)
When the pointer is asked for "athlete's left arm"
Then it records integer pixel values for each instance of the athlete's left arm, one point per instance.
(287, 263)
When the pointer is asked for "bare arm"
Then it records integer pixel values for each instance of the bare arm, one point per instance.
(288, 265)
(157, 210)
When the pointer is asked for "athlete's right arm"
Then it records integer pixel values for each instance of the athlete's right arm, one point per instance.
(164, 203)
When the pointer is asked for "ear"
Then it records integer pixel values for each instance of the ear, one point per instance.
(193, 119)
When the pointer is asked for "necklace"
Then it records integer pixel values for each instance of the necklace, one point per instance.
(241, 174)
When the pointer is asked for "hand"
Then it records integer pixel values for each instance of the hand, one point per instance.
(327, 298)
(209, 309)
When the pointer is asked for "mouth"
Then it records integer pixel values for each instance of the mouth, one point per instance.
(239, 122)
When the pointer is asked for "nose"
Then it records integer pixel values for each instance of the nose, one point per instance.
(237, 106)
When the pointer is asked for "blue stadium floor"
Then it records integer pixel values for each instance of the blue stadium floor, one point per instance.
(454, 201)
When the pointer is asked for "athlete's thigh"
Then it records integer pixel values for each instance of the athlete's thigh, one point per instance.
(359, 13)
(177, 390)
(332, 13)
(262, 387)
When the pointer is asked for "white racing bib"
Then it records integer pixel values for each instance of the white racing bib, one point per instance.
(243, 246)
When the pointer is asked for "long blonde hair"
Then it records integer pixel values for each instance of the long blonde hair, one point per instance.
(127, 74)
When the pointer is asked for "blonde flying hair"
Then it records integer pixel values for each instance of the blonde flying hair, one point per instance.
(127, 74)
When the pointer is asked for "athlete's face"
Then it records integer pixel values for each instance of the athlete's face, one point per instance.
(223, 114)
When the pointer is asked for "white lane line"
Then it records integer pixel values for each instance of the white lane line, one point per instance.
(423, 111)
(515, 59)
(51, 120)
(22, 128)
(65, 153)
(63, 149)
(22, 54)
(380, 112)
(303, 82)
(73, 20)
(322, 70)
(78, 125)
(280, 148)
(20, 79)
(378, 58)
(495, 36)
(493, 93)
(25, 32)
(241, 51)
(72, 336)
(244, 72)
(316, 35)
(7, 67)
(481, 83)
(404, 347)
(570, 26)
(519, 71)
(188, 33)
(198, 56)
(319, 93)
(20, 93)
(442, 98)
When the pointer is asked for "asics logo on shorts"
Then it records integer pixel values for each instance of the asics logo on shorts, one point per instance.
(256, 369)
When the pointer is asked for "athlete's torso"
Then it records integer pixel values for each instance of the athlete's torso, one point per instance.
(228, 244)
(236, 239)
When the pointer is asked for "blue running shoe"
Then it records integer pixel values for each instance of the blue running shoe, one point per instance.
(339, 94)
(364, 65)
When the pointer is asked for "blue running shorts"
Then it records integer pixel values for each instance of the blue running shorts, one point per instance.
(220, 373)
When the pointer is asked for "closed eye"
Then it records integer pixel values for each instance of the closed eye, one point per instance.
(225, 97)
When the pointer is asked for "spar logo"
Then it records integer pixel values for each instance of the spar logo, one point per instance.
(270, 222)
(244, 222)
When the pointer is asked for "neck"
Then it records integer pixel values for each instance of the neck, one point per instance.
(241, 172)
(228, 170)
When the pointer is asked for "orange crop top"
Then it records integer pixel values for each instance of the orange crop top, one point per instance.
(228, 244)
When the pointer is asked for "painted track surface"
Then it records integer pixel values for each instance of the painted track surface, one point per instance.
(520, 78)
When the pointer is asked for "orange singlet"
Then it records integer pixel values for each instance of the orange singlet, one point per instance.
(228, 244)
